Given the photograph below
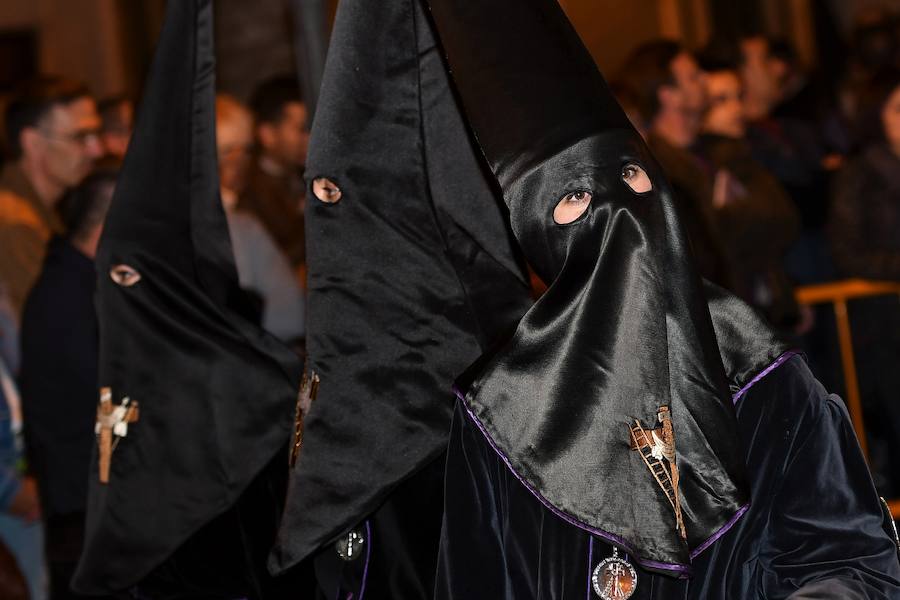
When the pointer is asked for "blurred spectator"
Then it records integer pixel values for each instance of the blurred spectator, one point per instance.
(20, 511)
(52, 127)
(754, 215)
(875, 43)
(667, 87)
(865, 224)
(864, 231)
(789, 147)
(117, 116)
(262, 267)
(760, 75)
(16, 497)
(59, 376)
(628, 100)
(811, 98)
(275, 190)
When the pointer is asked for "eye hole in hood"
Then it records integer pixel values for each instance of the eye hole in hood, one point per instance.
(571, 206)
(326, 190)
(124, 275)
(636, 178)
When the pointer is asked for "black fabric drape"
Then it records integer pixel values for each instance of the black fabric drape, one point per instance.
(412, 274)
(814, 528)
(216, 393)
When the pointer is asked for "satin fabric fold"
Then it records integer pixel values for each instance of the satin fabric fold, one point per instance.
(813, 530)
(215, 392)
(412, 274)
(622, 331)
(623, 334)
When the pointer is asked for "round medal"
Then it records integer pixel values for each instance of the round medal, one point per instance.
(614, 578)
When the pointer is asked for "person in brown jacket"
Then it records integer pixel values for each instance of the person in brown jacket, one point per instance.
(52, 127)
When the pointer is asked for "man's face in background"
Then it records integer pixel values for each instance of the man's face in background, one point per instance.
(68, 143)
(286, 140)
(689, 80)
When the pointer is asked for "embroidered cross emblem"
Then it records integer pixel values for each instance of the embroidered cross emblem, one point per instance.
(657, 449)
(309, 387)
(112, 425)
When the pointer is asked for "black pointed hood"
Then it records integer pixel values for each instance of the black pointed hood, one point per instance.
(538, 90)
(412, 272)
(622, 344)
(215, 393)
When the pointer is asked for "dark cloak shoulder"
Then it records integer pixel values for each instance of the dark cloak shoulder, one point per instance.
(814, 528)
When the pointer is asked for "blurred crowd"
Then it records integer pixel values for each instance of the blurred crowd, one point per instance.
(784, 177)
(62, 154)
(787, 177)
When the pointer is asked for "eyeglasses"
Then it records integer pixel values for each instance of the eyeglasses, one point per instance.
(80, 137)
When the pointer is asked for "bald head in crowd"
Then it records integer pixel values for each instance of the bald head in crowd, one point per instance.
(234, 141)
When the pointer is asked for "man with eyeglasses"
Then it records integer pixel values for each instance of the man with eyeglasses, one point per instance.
(52, 129)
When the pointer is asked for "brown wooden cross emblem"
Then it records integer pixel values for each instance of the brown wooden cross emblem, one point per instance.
(112, 425)
(657, 449)
(309, 387)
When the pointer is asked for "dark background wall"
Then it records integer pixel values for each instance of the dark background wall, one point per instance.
(108, 43)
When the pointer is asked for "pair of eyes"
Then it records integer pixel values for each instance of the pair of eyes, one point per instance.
(572, 205)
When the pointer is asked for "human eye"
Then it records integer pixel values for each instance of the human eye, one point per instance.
(326, 190)
(571, 206)
(636, 178)
(124, 275)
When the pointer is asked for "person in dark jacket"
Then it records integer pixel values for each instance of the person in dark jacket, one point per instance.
(666, 86)
(864, 231)
(59, 376)
(865, 222)
(753, 214)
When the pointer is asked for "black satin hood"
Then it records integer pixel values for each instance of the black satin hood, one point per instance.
(529, 88)
(412, 273)
(215, 393)
(623, 331)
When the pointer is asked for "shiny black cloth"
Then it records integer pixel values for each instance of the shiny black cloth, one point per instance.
(412, 274)
(814, 528)
(216, 393)
(623, 329)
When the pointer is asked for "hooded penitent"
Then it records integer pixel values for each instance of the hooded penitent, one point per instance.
(610, 401)
(210, 396)
(411, 271)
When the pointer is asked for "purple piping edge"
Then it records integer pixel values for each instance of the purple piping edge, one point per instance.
(683, 570)
(778, 362)
(721, 531)
(362, 587)
(590, 566)
(735, 399)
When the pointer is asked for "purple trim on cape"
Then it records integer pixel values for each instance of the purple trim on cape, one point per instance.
(590, 566)
(362, 587)
(778, 362)
(722, 531)
(682, 570)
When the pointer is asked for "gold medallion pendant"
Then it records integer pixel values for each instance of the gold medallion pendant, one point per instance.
(614, 578)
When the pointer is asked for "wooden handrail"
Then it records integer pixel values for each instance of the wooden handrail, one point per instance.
(845, 290)
(837, 294)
